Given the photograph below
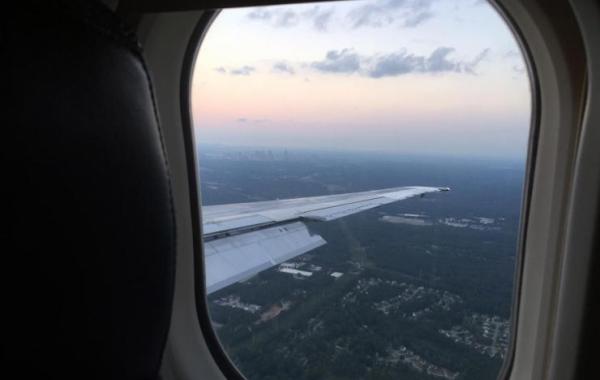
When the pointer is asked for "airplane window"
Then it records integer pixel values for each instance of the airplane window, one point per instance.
(361, 167)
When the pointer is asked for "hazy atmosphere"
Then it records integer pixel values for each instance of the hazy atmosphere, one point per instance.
(410, 77)
(295, 103)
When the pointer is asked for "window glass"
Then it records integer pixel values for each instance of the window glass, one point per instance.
(334, 99)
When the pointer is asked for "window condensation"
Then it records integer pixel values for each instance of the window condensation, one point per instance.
(381, 107)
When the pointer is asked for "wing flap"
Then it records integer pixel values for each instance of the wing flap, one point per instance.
(235, 258)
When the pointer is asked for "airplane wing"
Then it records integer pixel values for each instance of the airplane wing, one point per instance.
(243, 239)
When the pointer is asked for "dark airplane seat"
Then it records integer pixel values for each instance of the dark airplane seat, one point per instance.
(89, 253)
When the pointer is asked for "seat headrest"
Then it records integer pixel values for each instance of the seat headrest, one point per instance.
(92, 231)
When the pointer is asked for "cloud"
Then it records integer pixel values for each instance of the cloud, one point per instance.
(284, 68)
(396, 64)
(438, 61)
(410, 21)
(286, 17)
(344, 61)
(404, 13)
(369, 15)
(260, 14)
(321, 20)
(244, 70)
(347, 61)
(407, 13)
(251, 121)
(469, 67)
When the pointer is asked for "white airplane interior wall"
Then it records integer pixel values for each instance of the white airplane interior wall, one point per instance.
(267, 189)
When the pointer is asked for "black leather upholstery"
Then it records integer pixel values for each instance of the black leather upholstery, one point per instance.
(89, 255)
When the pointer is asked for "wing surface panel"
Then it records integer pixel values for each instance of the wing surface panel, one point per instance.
(220, 218)
(235, 258)
(242, 239)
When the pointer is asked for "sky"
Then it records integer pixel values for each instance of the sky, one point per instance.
(443, 77)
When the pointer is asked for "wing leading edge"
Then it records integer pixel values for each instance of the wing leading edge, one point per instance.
(244, 239)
